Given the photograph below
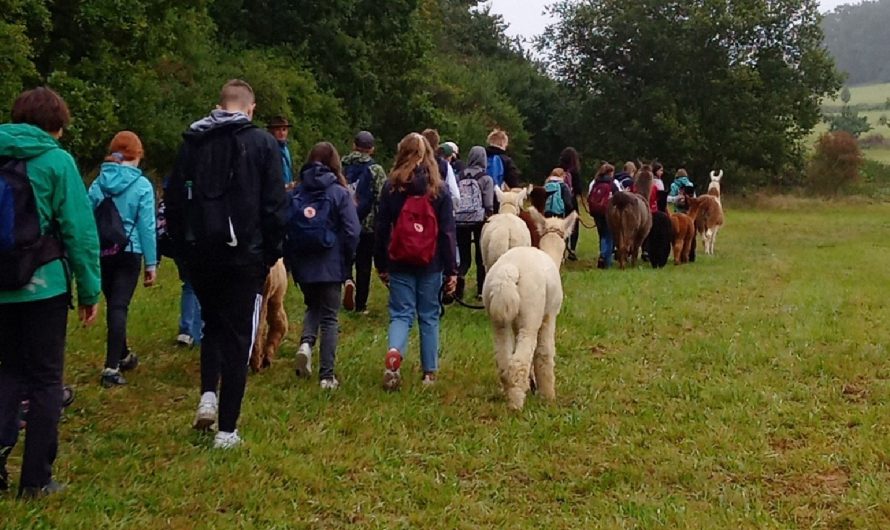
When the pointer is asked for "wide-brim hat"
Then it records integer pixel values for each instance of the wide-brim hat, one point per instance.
(278, 122)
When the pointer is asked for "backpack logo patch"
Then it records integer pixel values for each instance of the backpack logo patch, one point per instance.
(418, 228)
(309, 212)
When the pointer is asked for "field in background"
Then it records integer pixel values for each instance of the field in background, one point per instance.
(865, 96)
(747, 391)
(875, 94)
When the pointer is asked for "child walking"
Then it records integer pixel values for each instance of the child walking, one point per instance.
(601, 190)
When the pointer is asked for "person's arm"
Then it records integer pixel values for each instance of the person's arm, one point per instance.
(567, 198)
(352, 228)
(487, 195)
(77, 229)
(577, 185)
(511, 172)
(453, 188)
(447, 238)
(383, 230)
(273, 203)
(148, 232)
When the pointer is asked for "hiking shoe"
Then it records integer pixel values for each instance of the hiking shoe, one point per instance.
(129, 362)
(31, 493)
(226, 440)
(67, 396)
(392, 377)
(572, 256)
(304, 360)
(601, 263)
(429, 378)
(112, 378)
(330, 384)
(207, 411)
(349, 295)
(184, 339)
(4, 475)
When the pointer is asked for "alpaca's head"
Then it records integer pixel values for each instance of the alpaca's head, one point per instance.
(554, 232)
(714, 186)
(716, 176)
(511, 201)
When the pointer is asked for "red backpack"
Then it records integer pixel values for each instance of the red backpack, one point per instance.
(415, 234)
(598, 199)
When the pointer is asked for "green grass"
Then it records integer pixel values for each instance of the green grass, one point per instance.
(746, 391)
(874, 94)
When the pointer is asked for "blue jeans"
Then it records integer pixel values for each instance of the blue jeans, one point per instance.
(607, 243)
(415, 296)
(190, 322)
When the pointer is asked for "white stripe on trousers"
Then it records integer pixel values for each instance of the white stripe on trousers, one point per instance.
(256, 323)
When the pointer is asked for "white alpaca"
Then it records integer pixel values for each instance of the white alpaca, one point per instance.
(523, 295)
(714, 186)
(505, 230)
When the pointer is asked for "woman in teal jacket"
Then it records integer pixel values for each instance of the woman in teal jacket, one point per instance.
(34, 319)
(133, 195)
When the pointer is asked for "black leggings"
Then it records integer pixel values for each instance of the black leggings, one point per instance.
(467, 236)
(120, 274)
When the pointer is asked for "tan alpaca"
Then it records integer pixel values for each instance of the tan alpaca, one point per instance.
(272, 326)
(523, 295)
(505, 230)
(714, 186)
(707, 212)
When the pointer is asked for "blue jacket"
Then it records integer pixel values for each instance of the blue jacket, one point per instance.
(134, 197)
(334, 264)
(287, 171)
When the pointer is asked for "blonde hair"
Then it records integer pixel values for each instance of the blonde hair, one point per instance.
(558, 172)
(682, 173)
(630, 168)
(415, 151)
(236, 92)
(498, 138)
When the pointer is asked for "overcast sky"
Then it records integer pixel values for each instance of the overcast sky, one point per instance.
(526, 16)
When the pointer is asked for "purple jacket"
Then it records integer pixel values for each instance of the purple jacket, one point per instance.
(332, 265)
(391, 202)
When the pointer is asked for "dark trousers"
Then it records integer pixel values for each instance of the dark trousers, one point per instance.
(32, 358)
(322, 305)
(120, 274)
(466, 236)
(230, 306)
(576, 233)
(364, 260)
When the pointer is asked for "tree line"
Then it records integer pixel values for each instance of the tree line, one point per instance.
(857, 37)
(692, 82)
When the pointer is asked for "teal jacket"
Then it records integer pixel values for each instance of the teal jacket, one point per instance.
(60, 195)
(134, 197)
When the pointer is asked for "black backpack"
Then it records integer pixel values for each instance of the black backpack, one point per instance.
(112, 238)
(23, 248)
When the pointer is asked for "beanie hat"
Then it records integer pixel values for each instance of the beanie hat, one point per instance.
(447, 150)
(125, 146)
(364, 140)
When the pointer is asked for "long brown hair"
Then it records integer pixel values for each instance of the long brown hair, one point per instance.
(325, 153)
(605, 169)
(415, 151)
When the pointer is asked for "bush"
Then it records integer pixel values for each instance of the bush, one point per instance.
(835, 163)
(873, 140)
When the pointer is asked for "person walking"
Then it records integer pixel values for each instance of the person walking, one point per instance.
(415, 246)
(501, 168)
(279, 127)
(476, 205)
(226, 213)
(601, 190)
(321, 246)
(121, 186)
(570, 162)
(55, 234)
(366, 179)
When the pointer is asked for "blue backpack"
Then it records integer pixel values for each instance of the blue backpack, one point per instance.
(309, 224)
(23, 248)
(360, 180)
(555, 206)
(496, 169)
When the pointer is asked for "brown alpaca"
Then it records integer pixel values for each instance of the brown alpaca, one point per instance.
(707, 213)
(272, 325)
(630, 219)
(538, 198)
(684, 235)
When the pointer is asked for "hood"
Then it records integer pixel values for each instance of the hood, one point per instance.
(356, 157)
(22, 140)
(218, 118)
(317, 176)
(114, 178)
(420, 182)
(604, 178)
(494, 150)
(622, 175)
(683, 182)
(478, 157)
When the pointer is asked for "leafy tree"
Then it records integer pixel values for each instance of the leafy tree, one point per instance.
(845, 95)
(849, 120)
(857, 37)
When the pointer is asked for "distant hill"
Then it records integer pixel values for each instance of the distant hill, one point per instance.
(858, 37)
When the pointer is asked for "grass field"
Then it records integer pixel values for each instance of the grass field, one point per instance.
(874, 94)
(746, 391)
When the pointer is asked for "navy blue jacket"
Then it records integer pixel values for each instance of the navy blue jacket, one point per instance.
(332, 265)
(391, 203)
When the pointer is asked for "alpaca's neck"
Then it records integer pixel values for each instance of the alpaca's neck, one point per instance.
(509, 207)
(554, 246)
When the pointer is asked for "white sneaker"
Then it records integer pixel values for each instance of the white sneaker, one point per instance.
(304, 360)
(207, 411)
(184, 339)
(330, 384)
(226, 440)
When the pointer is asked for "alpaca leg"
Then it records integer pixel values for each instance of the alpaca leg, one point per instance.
(714, 239)
(504, 343)
(277, 331)
(520, 367)
(678, 251)
(545, 357)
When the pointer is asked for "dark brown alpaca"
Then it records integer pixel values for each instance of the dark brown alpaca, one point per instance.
(629, 218)
(538, 198)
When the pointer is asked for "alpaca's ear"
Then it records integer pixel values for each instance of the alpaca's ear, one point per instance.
(568, 225)
(499, 194)
(521, 196)
(539, 220)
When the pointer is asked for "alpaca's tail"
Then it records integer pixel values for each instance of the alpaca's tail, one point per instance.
(501, 294)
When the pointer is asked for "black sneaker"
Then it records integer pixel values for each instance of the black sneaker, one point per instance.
(67, 396)
(129, 362)
(572, 255)
(39, 493)
(111, 378)
(4, 475)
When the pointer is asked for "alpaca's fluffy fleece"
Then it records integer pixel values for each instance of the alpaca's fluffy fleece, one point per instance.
(660, 240)
(707, 212)
(523, 296)
(505, 230)
(273, 319)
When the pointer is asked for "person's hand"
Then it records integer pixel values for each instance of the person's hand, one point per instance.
(450, 284)
(88, 313)
(150, 277)
(384, 277)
